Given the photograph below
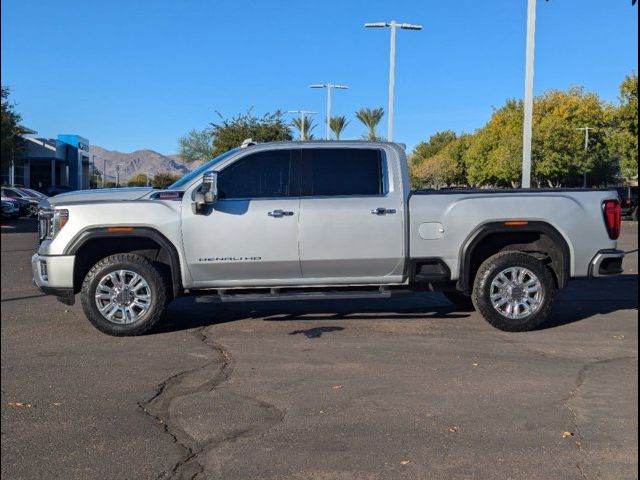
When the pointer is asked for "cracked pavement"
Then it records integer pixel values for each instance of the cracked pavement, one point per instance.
(408, 388)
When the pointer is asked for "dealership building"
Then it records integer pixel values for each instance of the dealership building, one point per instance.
(45, 162)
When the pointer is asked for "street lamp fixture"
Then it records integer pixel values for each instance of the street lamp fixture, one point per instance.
(392, 62)
(329, 87)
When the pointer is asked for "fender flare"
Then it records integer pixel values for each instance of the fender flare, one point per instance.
(483, 231)
(85, 236)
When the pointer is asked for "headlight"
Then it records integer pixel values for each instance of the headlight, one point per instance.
(51, 222)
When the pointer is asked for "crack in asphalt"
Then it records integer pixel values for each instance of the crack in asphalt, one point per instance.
(160, 414)
(166, 428)
(177, 386)
(580, 378)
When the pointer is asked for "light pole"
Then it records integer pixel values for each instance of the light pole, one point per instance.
(329, 87)
(586, 149)
(303, 114)
(104, 172)
(93, 171)
(528, 95)
(118, 165)
(392, 63)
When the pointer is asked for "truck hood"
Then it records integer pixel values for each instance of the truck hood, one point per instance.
(99, 195)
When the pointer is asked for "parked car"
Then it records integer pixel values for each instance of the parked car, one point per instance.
(33, 193)
(54, 190)
(10, 208)
(317, 220)
(629, 201)
(28, 204)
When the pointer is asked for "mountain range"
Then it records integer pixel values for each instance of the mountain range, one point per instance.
(140, 161)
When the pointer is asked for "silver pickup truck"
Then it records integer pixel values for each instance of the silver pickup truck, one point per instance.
(317, 220)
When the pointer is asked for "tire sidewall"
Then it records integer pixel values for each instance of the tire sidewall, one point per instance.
(482, 290)
(134, 263)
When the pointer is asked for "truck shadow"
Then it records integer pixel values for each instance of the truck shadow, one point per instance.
(581, 300)
(316, 332)
(585, 298)
(184, 313)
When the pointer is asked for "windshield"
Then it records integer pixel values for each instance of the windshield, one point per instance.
(32, 193)
(200, 170)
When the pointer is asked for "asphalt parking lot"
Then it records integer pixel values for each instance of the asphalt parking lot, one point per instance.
(410, 388)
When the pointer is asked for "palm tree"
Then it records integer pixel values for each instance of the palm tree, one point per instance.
(337, 125)
(304, 127)
(370, 118)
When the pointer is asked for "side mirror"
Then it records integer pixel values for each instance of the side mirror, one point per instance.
(208, 193)
(210, 187)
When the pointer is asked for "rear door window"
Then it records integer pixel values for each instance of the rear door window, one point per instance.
(341, 172)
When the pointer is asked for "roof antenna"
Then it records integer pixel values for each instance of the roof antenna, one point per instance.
(248, 142)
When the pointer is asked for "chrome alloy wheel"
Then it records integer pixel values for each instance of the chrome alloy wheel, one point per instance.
(516, 293)
(123, 296)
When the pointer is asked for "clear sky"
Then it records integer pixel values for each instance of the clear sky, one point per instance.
(139, 74)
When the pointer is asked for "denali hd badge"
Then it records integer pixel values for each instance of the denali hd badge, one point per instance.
(230, 259)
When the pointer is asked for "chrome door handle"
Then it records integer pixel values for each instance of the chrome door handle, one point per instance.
(382, 211)
(279, 213)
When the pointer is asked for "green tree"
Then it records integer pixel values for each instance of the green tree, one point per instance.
(337, 125)
(203, 145)
(558, 154)
(370, 118)
(456, 150)
(437, 171)
(495, 151)
(164, 179)
(230, 133)
(305, 127)
(139, 180)
(623, 138)
(196, 146)
(431, 147)
(426, 150)
(494, 154)
(11, 142)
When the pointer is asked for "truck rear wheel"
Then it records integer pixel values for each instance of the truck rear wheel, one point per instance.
(124, 294)
(514, 291)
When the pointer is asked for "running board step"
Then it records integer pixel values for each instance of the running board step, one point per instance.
(276, 295)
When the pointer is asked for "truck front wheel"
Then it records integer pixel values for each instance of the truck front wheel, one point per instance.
(514, 291)
(124, 294)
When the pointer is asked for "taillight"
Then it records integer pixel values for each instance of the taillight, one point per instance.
(612, 218)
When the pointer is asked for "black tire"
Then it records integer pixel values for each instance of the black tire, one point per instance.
(157, 292)
(460, 299)
(490, 269)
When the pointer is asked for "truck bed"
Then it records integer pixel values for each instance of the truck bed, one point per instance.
(471, 190)
(441, 221)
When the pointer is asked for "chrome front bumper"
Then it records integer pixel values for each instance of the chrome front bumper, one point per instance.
(606, 262)
(54, 271)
